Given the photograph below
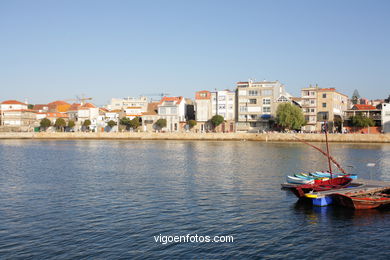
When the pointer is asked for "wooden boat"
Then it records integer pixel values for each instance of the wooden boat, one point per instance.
(297, 180)
(309, 176)
(378, 198)
(318, 185)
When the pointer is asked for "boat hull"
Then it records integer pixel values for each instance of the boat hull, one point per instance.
(362, 201)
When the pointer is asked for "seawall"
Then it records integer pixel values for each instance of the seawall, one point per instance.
(272, 137)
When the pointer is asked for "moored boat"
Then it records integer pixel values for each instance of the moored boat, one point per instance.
(324, 185)
(328, 175)
(378, 198)
(297, 180)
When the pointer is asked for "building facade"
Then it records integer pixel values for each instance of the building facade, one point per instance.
(257, 103)
(120, 103)
(173, 110)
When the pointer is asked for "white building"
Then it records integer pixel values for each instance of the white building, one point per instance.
(223, 104)
(14, 113)
(120, 103)
(386, 118)
(173, 110)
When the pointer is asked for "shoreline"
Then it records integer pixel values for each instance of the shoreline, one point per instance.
(261, 137)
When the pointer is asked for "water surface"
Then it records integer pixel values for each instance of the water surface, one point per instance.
(108, 199)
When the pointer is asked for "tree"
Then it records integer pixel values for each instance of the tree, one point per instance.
(161, 123)
(217, 120)
(361, 121)
(191, 123)
(45, 123)
(111, 123)
(60, 123)
(134, 123)
(87, 123)
(71, 124)
(289, 116)
(125, 122)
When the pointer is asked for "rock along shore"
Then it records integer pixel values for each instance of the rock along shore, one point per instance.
(267, 137)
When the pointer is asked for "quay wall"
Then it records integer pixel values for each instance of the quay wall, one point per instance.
(270, 137)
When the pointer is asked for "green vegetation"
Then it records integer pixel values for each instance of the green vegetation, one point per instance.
(289, 116)
(45, 123)
(60, 124)
(86, 124)
(161, 123)
(71, 124)
(111, 123)
(217, 120)
(361, 121)
(191, 123)
(135, 122)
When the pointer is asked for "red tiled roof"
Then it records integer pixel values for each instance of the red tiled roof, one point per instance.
(88, 105)
(363, 107)
(74, 107)
(177, 99)
(57, 103)
(152, 109)
(327, 89)
(12, 102)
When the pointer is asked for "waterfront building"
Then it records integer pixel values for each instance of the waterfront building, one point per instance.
(121, 103)
(257, 103)
(322, 105)
(150, 117)
(15, 114)
(223, 104)
(88, 111)
(365, 110)
(173, 110)
(385, 118)
(203, 111)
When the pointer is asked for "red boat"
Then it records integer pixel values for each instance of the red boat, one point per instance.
(379, 198)
(319, 185)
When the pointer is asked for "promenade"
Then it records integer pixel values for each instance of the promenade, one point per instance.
(266, 137)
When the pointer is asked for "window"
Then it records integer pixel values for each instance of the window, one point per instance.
(312, 93)
(266, 101)
(243, 108)
(222, 98)
(253, 93)
(252, 101)
(253, 117)
(204, 94)
(322, 116)
(163, 110)
(221, 106)
(266, 109)
(252, 124)
(267, 92)
(324, 95)
(323, 104)
(312, 102)
(312, 110)
(173, 110)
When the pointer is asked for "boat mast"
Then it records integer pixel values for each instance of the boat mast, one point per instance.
(327, 147)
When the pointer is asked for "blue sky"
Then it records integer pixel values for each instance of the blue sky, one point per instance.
(53, 50)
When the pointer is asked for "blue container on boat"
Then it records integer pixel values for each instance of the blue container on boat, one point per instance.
(321, 202)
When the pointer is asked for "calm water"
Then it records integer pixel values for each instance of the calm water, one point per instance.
(108, 199)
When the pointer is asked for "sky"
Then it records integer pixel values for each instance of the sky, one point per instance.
(56, 50)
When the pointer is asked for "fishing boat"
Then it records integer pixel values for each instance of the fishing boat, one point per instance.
(298, 180)
(319, 185)
(379, 198)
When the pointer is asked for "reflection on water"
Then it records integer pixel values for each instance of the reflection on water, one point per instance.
(107, 199)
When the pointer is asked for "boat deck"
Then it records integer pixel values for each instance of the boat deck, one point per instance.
(358, 185)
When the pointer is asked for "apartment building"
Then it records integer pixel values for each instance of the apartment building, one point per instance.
(173, 110)
(203, 111)
(257, 103)
(322, 105)
(120, 103)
